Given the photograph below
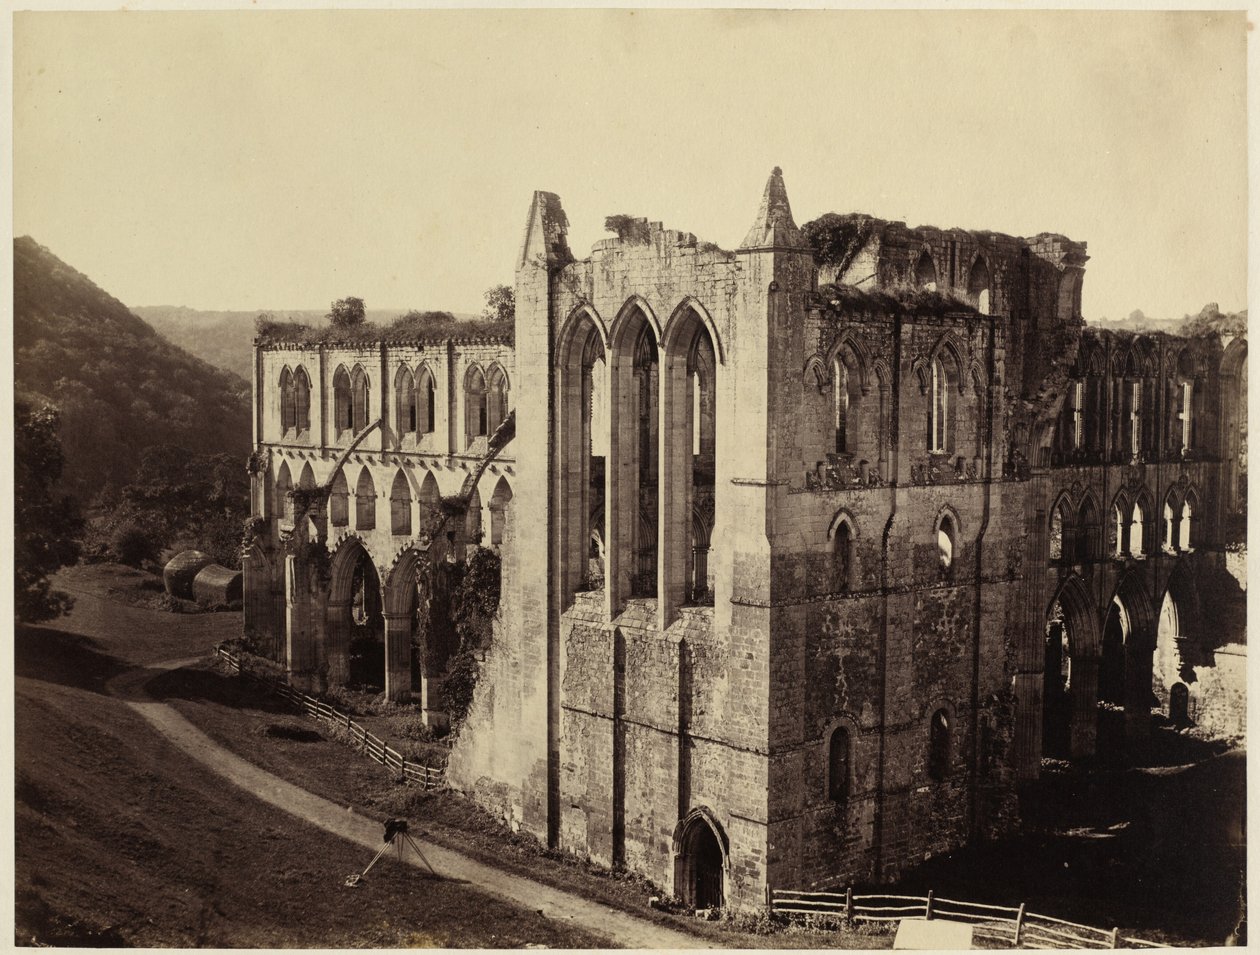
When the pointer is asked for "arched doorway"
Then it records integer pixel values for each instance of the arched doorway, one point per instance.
(356, 625)
(1071, 689)
(1127, 656)
(1175, 639)
(700, 861)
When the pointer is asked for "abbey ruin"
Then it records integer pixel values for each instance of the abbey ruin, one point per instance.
(811, 550)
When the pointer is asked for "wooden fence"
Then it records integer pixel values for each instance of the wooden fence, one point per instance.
(427, 777)
(1008, 927)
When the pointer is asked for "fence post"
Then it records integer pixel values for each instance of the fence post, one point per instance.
(928, 913)
(848, 905)
(1019, 923)
(1115, 937)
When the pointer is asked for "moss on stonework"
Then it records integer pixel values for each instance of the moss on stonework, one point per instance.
(839, 239)
(891, 299)
(412, 327)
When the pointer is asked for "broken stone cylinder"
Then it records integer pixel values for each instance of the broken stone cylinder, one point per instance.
(181, 570)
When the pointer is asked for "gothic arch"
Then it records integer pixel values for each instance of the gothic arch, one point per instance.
(701, 859)
(341, 567)
(842, 516)
(925, 272)
(634, 305)
(848, 343)
(678, 320)
(572, 329)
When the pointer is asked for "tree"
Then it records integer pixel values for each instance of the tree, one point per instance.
(347, 312)
(48, 525)
(500, 304)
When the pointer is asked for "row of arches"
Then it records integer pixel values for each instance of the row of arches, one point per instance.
(402, 502)
(1136, 404)
(486, 394)
(844, 535)
(848, 402)
(647, 399)
(1107, 668)
(1075, 531)
(979, 287)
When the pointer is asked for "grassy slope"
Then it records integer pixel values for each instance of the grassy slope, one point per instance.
(121, 839)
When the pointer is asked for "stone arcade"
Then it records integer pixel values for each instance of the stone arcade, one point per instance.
(807, 561)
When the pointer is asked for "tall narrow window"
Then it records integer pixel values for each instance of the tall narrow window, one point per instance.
(284, 484)
(1170, 527)
(843, 556)
(945, 543)
(359, 385)
(405, 403)
(301, 400)
(940, 407)
(1056, 533)
(339, 500)
(1117, 515)
(840, 391)
(365, 502)
(424, 392)
(1087, 534)
(978, 286)
(938, 745)
(1187, 415)
(838, 765)
(925, 272)
(1135, 419)
(1186, 540)
(1136, 543)
(1078, 415)
(496, 399)
(288, 413)
(343, 401)
(400, 505)
(474, 404)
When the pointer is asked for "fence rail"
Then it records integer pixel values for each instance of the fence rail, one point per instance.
(427, 777)
(1009, 926)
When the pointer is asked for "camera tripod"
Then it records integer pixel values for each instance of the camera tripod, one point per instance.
(396, 835)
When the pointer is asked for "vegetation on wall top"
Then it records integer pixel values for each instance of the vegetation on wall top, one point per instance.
(889, 299)
(839, 239)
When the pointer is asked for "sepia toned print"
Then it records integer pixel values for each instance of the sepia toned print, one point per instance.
(845, 584)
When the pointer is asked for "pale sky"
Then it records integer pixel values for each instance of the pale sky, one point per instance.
(252, 160)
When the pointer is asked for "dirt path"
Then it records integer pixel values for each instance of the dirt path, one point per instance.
(618, 926)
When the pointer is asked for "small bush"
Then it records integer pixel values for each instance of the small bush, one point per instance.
(133, 545)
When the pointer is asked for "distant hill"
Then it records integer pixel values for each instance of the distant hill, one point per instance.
(121, 386)
(225, 338)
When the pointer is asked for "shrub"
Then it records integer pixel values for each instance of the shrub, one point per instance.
(133, 545)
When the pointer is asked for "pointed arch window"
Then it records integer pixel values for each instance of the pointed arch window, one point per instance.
(839, 751)
(1171, 521)
(840, 393)
(938, 439)
(301, 400)
(1117, 517)
(1136, 526)
(407, 411)
(288, 409)
(343, 401)
(1186, 538)
(1187, 415)
(1087, 536)
(496, 399)
(939, 745)
(978, 289)
(1078, 415)
(1057, 530)
(424, 397)
(925, 272)
(360, 396)
(365, 502)
(400, 505)
(284, 484)
(339, 500)
(843, 575)
(475, 408)
(946, 535)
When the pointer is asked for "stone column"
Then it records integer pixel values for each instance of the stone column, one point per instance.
(673, 487)
(398, 657)
(337, 642)
(300, 657)
(1084, 720)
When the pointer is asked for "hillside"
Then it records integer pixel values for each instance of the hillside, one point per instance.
(224, 339)
(121, 386)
